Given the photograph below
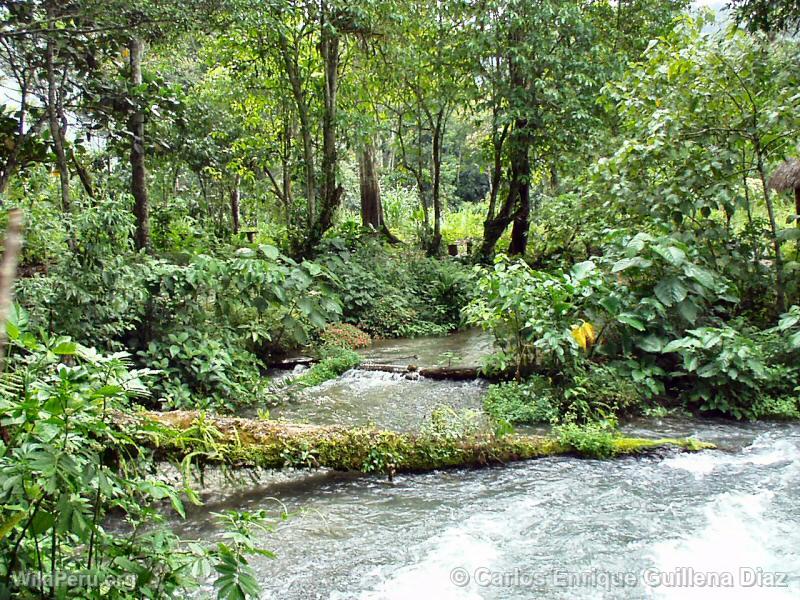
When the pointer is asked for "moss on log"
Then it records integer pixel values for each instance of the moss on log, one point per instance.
(277, 444)
(452, 373)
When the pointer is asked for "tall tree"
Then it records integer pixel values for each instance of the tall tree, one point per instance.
(141, 203)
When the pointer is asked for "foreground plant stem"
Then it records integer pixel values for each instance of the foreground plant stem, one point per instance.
(276, 444)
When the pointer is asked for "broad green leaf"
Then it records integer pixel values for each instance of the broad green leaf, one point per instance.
(65, 348)
(670, 291)
(652, 343)
(632, 320)
(674, 256)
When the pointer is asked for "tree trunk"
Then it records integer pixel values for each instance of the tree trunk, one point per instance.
(290, 62)
(522, 224)
(273, 444)
(421, 187)
(235, 205)
(780, 289)
(518, 195)
(438, 138)
(12, 246)
(498, 139)
(517, 205)
(53, 112)
(331, 192)
(83, 174)
(371, 209)
(797, 213)
(141, 206)
(286, 173)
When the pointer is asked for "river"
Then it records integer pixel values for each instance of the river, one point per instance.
(716, 524)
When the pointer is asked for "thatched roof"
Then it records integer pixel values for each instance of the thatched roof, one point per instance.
(787, 176)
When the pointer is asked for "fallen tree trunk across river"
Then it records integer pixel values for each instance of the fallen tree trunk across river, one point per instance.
(276, 444)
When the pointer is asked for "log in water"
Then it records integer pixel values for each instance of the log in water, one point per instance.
(276, 444)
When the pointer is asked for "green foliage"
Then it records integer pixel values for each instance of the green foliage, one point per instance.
(600, 390)
(205, 368)
(204, 324)
(335, 360)
(534, 400)
(699, 162)
(531, 313)
(789, 327)
(66, 467)
(785, 408)
(95, 292)
(594, 440)
(729, 371)
(390, 293)
(446, 430)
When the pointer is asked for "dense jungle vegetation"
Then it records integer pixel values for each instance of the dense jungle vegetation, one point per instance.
(610, 188)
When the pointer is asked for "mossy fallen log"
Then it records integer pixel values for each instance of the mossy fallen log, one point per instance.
(277, 444)
(453, 373)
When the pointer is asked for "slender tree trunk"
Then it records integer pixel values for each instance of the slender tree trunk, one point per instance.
(522, 223)
(12, 246)
(498, 139)
(83, 174)
(286, 173)
(330, 158)
(438, 134)
(141, 206)
(290, 61)
(235, 196)
(53, 112)
(797, 214)
(780, 289)
(331, 192)
(423, 193)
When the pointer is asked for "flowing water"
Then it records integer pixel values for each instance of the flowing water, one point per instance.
(387, 400)
(462, 349)
(716, 524)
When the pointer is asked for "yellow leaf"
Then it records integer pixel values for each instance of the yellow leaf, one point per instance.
(589, 333)
(579, 336)
(584, 335)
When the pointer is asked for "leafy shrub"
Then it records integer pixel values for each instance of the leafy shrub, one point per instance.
(66, 467)
(96, 292)
(596, 391)
(205, 369)
(391, 292)
(786, 408)
(447, 425)
(789, 327)
(725, 371)
(532, 401)
(653, 289)
(594, 439)
(344, 335)
(531, 313)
